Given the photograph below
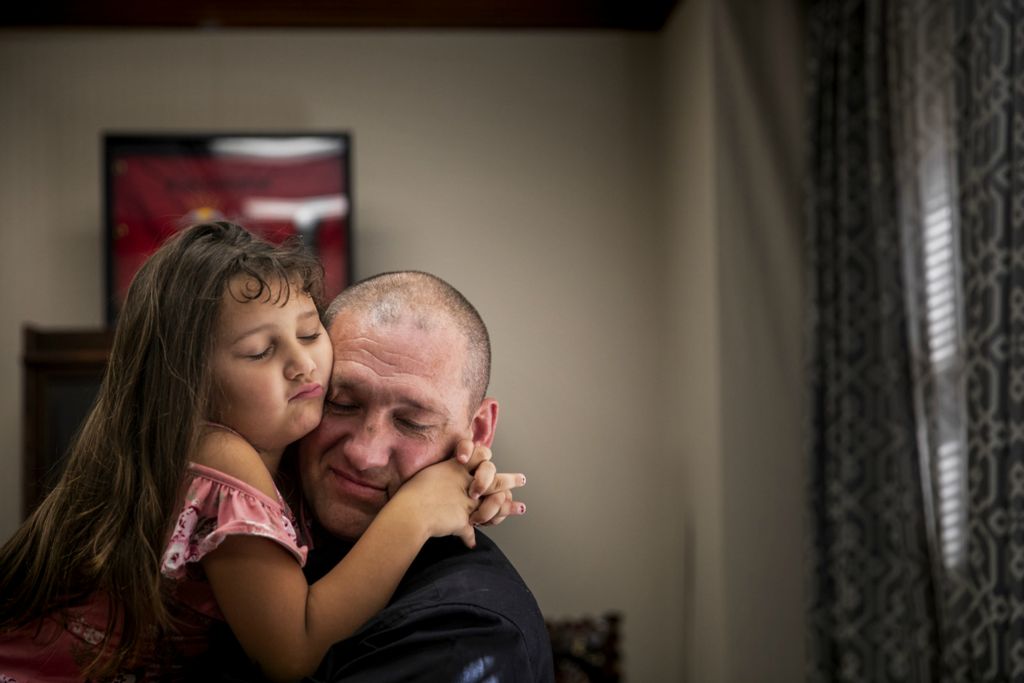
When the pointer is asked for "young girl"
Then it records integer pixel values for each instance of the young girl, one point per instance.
(219, 361)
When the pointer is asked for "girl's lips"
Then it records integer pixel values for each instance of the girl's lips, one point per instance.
(308, 391)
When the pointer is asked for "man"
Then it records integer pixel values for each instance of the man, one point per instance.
(411, 368)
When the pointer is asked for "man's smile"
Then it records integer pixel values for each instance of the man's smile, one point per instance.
(352, 486)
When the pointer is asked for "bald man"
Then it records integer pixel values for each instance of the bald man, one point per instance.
(411, 368)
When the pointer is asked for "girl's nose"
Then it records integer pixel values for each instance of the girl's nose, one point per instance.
(300, 364)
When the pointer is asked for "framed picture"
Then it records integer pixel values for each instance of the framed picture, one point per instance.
(276, 185)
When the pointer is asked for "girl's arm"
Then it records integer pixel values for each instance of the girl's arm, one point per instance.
(286, 625)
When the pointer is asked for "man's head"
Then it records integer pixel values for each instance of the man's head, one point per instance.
(411, 368)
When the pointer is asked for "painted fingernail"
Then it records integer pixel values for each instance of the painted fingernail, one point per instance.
(522, 509)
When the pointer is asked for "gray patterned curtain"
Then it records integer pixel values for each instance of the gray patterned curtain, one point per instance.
(916, 271)
(873, 613)
(990, 116)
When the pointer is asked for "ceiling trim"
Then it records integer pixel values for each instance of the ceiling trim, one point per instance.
(634, 15)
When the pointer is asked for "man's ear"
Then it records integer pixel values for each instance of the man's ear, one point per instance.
(485, 421)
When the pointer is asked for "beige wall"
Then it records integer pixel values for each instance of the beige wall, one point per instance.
(567, 183)
(692, 396)
(733, 134)
(758, 176)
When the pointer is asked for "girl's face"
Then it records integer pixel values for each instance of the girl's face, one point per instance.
(271, 365)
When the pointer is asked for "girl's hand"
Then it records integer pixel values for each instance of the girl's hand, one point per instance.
(491, 488)
(437, 499)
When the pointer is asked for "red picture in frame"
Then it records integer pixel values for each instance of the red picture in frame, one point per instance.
(276, 185)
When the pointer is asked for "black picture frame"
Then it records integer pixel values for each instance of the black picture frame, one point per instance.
(276, 184)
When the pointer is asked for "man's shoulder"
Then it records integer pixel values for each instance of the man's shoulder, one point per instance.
(455, 609)
(446, 572)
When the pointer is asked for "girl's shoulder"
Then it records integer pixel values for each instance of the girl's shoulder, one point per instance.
(227, 451)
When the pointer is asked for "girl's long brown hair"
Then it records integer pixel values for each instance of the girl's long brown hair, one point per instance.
(101, 532)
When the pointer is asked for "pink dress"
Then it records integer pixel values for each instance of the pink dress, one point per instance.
(216, 505)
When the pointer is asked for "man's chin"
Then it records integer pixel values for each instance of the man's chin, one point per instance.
(347, 525)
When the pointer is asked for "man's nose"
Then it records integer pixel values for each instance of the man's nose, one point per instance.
(367, 447)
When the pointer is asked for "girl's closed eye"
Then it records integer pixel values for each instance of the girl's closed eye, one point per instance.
(311, 337)
(261, 354)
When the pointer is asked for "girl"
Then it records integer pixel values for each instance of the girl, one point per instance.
(90, 585)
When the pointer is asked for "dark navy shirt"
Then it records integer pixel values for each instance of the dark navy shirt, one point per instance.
(458, 616)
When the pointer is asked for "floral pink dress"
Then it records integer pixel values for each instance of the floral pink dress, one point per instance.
(216, 505)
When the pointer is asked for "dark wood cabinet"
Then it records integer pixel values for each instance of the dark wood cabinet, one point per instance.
(62, 374)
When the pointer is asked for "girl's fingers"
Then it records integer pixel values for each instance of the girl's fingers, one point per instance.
(489, 508)
(471, 454)
(494, 508)
(483, 480)
(468, 536)
(506, 481)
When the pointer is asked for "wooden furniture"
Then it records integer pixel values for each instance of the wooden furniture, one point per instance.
(63, 370)
(586, 650)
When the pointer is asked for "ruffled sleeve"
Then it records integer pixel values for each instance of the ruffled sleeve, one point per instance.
(217, 506)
